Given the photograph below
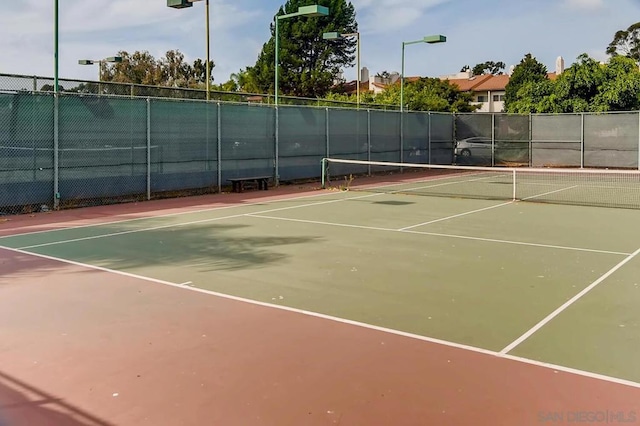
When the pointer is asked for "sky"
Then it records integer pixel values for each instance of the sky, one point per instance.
(476, 31)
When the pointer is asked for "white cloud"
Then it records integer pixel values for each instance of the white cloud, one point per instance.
(585, 4)
(375, 16)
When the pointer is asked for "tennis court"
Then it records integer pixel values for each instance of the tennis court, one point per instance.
(383, 304)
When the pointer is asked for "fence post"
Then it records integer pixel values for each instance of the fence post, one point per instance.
(429, 138)
(148, 148)
(530, 140)
(35, 83)
(276, 171)
(369, 141)
(582, 140)
(493, 139)
(219, 148)
(401, 137)
(56, 146)
(638, 140)
(326, 133)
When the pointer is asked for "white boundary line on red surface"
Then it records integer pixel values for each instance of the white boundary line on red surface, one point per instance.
(567, 304)
(324, 193)
(556, 368)
(193, 222)
(262, 214)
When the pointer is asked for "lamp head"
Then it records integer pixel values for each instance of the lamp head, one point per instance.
(313, 11)
(331, 36)
(432, 39)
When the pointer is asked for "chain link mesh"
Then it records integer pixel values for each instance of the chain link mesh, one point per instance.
(111, 145)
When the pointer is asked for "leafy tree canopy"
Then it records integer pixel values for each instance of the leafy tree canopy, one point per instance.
(626, 43)
(308, 64)
(428, 94)
(143, 68)
(528, 70)
(489, 67)
(586, 86)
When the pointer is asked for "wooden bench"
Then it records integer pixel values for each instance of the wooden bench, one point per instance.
(261, 181)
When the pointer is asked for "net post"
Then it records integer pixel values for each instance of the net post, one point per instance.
(323, 164)
(514, 185)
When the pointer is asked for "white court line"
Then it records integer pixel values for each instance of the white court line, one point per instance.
(435, 234)
(187, 283)
(410, 180)
(440, 342)
(406, 228)
(194, 222)
(434, 186)
(210, 209)
(569, 302)
(550, 192)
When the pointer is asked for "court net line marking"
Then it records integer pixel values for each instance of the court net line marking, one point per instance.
(406, 228)
(446, 343)
(567, 304)
(210, 209)
(262, 214)
(436, 234)
(549, 193)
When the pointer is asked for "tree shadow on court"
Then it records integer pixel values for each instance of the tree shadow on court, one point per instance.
(24, 405)
(207, 247)
(14, 265)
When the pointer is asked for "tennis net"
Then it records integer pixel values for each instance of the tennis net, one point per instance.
(587, 187)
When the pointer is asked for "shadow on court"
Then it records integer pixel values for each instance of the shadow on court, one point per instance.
(209, 246)
(25, 405)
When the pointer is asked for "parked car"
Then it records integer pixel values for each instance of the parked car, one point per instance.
(476, 147)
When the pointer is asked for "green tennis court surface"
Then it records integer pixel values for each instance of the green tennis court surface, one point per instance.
(552, 283)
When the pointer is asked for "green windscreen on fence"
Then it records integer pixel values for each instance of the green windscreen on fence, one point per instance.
(102, 147)
(302, 141)
(247, 140)
(184, 134)
(109, 148)
(556, 140)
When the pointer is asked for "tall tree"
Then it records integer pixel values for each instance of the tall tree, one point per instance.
(143, 68)
(586, 86)
(489, 67)
(528, 70)
(308, 64)
(626, 43)
(428, 94)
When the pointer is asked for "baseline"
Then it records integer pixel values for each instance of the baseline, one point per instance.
(468, 348)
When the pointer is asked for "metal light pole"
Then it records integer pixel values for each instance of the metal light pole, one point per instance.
(181, 4)
(309, 11)
(432, 39)
(335, 36)
(55, 46)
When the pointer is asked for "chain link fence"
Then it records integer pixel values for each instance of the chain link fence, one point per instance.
(78, 149)
(589, 140)
(84, 149)
(23, 83)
